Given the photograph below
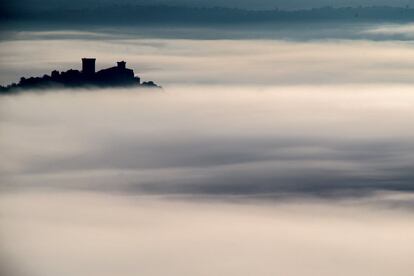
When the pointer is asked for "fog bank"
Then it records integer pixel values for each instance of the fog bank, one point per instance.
(90, 234)
(267, 62)
(260, 157)
(211, 141)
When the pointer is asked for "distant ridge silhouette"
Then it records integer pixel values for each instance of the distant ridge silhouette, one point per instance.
(129, 14)
(117, 76)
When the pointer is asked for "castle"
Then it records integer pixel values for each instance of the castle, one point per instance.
(116, 76)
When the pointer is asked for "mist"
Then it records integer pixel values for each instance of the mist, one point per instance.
(372, 58)
(212, 140)
(259, 156)
(95, 234)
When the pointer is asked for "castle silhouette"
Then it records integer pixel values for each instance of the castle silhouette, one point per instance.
(117, 76)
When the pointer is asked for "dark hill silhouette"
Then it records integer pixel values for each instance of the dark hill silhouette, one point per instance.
(129, 15)
(117, 76)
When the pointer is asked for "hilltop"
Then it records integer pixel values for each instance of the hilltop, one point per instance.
(117, 76)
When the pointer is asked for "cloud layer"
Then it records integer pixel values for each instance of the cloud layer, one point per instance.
(243, 117)
(261, 157)
(212, 141)
(90, 234)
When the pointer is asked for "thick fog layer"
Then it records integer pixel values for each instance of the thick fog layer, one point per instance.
(212, 140)
(269, 61)
(88, 234)
(259, 157)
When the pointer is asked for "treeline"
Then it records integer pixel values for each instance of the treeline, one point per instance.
(132, 14)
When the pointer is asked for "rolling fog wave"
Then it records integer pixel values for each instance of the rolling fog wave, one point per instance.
(260, 157)
(212, 141)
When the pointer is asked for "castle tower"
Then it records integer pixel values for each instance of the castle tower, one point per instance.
(88, 66)
(121, 65)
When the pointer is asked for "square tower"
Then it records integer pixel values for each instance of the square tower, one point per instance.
(88, 66)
